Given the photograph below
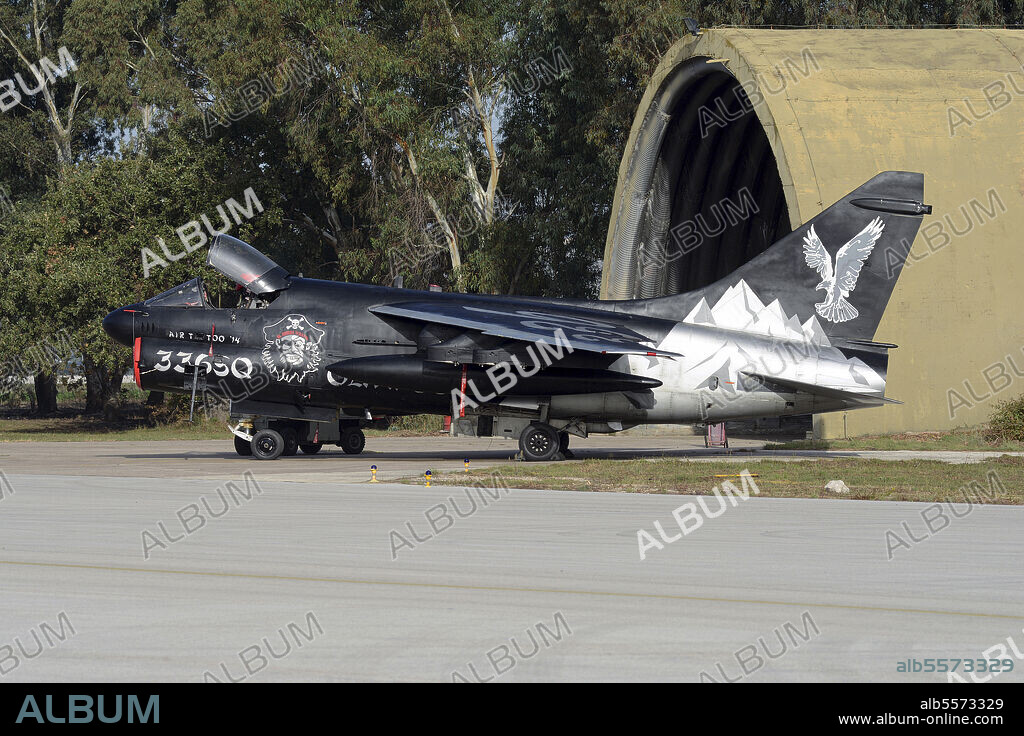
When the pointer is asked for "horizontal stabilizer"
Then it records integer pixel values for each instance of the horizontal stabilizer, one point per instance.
(869, 345)
(826, 392)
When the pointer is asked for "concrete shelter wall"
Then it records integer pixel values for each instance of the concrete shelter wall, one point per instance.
(948, 103)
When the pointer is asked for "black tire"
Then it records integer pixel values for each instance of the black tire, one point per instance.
(539, 442)
(352, 441)
(291, 442)
(312, 448)
(243, 447)
(267, 444)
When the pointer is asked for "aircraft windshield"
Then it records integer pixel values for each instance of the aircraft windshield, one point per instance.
(189, 294)
(245, 265)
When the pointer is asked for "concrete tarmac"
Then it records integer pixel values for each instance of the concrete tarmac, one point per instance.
(398, 457)
(190, 573)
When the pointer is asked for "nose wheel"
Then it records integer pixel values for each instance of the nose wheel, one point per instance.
(267, 444)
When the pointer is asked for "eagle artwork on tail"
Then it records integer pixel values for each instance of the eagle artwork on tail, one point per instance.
(839, 281)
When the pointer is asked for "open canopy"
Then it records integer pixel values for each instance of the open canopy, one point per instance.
(245, 265)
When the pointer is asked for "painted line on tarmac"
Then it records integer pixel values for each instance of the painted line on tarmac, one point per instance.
(503, 589)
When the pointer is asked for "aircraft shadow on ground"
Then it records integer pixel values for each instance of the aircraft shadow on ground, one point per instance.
(504, 454)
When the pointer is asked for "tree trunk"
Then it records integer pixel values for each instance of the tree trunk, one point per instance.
(102, 389)
(46, 393)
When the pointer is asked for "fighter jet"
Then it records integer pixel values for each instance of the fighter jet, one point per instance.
(307, 362)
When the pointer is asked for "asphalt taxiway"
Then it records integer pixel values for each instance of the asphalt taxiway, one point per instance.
(398, 457)
(158, 562)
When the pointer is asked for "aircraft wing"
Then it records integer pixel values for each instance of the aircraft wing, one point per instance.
(824, 391)
(591, 330)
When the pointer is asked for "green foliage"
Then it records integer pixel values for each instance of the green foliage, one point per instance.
(414, 425)
(75, 255)
(1006, 423)
(175, 410)
(567, 136)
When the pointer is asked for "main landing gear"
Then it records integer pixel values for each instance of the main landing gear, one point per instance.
(541, 442)
(563, 445)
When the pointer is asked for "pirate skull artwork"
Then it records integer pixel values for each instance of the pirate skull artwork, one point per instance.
(292, 348)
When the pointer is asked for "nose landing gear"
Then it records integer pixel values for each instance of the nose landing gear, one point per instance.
(284, 437)
(243, 447)
(267, 444)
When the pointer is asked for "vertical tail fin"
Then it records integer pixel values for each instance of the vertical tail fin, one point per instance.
(839, 268)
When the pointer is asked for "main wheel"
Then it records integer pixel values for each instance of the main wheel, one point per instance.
(243, 447)
(291, 442)
(352, 441)
(539, 442)
(267, 444)
(311, 449)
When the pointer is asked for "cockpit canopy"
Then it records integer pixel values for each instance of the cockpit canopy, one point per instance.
(245, 265)
(190, 294)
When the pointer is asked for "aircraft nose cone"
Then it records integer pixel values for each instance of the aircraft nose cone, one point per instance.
(119, 325)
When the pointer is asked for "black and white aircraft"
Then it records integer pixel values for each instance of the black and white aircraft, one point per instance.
(307, 362)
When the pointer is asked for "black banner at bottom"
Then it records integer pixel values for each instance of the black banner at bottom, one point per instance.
(177, 706)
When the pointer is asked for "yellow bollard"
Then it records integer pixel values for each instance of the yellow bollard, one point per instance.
(373, 474)
(427, 475)
(466, 463)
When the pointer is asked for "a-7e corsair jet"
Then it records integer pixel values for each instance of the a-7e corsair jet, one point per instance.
(308, 362)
